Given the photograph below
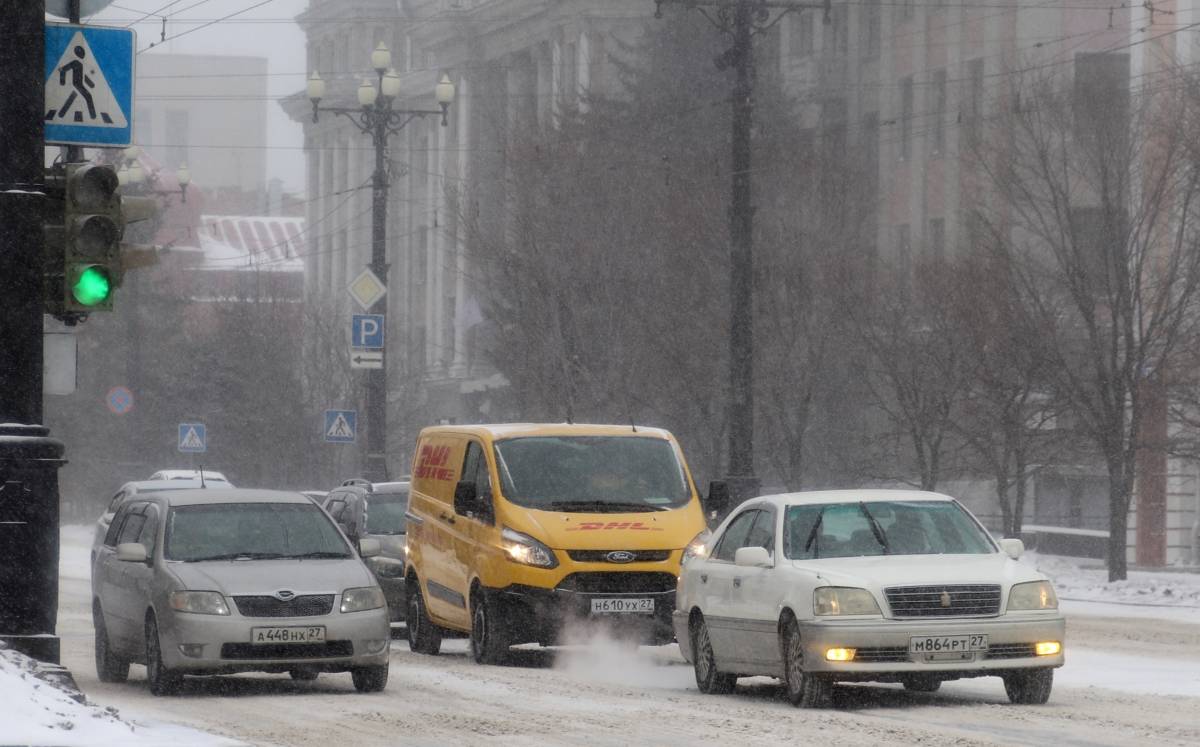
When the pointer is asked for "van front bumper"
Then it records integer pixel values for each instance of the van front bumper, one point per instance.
(554, 616)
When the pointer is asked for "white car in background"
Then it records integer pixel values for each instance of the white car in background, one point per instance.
(208, 475)
(865, 585)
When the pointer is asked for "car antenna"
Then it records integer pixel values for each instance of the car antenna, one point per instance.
(633, 425)
(202, 477)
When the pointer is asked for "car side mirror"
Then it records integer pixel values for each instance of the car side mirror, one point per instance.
(1013, 547)
(717, 502)
(369, 548)
(132, 552)
(754, 557)
(465, 498)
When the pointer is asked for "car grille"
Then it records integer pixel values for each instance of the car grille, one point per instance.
(601, 556)
(302, 606)
(881, 654)
(329, 649)
(628, 582)
(1011, 651)
(931, 601)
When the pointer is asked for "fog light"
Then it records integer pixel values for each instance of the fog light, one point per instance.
(374, 647)
(1047, 648)
(192, 650)
(839, 654)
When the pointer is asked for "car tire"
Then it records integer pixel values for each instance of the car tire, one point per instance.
(303, 675)
(162, 680)
(370, 679)
(709, 679)
(804, 689)
(1029, 688)
(423, 636)
(922, 684)
(490, 639)
(109, 666)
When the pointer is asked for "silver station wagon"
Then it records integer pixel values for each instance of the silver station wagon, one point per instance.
(217, 581)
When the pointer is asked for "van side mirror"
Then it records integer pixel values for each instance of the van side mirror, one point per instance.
(717, 502)
(1013, 547)
(465, 498)
(132, 552)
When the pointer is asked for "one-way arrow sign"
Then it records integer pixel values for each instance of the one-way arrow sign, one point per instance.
(366, 359)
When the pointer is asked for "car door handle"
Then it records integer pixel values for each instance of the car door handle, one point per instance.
(737, 582)
(447, 518)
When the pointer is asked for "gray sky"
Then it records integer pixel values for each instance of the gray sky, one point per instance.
(265, 29)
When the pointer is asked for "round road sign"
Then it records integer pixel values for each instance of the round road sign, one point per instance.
(119, 400)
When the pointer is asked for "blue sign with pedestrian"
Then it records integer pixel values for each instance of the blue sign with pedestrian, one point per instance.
(193, 438)
(89, 85)
(341, 426)
(366, 331)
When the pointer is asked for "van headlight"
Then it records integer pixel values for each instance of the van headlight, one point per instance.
(1033, 595)
(199, 602)
(697, 548)
(841, 600)
(362, 598)
(521, 548)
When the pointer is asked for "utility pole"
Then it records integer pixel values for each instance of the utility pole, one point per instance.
(29, 459)
(741, 21)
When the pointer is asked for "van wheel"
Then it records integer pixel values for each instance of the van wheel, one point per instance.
(804, 689)
(162, 680)
(489, 635)
(1029, 688)
(109, 666)
(709, 679)
(423, 636)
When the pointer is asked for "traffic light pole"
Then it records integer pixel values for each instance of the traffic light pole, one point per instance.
(29, 459)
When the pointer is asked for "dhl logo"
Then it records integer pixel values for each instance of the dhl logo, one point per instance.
(431, 463)
(599, 526)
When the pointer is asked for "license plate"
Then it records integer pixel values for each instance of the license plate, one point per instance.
(947, 644)
(602, 606)
(312, 634)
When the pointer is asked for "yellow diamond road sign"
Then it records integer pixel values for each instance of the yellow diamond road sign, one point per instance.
(367, 289)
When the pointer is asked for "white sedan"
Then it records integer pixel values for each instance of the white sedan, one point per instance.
(865, 585)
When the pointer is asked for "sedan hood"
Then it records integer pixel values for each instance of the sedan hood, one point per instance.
(236, 577)
(878, 572)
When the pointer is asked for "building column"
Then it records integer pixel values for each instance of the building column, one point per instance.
(462, 141)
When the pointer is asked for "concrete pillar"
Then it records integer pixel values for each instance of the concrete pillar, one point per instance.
(462, 142)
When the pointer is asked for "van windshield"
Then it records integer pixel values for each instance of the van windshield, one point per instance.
(608, 474)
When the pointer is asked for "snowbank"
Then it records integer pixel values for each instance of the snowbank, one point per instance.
(1083, 580)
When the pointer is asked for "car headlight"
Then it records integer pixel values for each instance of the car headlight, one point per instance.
(841, 600)
(521, 548)
(386, 567)
(698, 547)
(362, 598)
(1033, 595)
(199, 602)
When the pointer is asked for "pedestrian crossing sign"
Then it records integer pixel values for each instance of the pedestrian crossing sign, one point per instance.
(341, 426)
(89, 85)
(193, 438)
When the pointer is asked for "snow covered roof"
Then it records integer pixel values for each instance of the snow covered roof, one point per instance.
(233, 242)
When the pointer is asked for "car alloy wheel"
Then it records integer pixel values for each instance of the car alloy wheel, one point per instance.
(162, 681)
(804, 689)
(109, 667)
(709, 679)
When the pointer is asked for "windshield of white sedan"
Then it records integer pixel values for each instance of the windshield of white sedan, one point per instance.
(385, 514)
(592, 473)
(251, 531)
(847, 530)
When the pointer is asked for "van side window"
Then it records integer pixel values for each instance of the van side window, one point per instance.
(116, 501)
(483, 481)
(471, 464)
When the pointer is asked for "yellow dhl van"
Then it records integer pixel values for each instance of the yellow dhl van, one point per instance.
(523, 533)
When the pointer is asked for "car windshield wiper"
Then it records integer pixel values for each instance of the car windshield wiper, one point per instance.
(875, 528)
(238, 556)
(812, 535)
(603, 506)
(316, 554)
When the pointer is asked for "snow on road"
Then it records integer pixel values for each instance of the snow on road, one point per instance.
(1127, 681)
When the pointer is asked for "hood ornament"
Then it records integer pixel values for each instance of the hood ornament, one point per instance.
(285, 595)
(620, 556)
(945, 599)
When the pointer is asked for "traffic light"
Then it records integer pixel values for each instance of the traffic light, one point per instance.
(93, 228)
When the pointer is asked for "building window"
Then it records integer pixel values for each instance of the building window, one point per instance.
(939, 110)
(802, 34)
(973, 101)
(906, 114)
(179, 136)
(871, 21)
(837, 38)
(937, 239)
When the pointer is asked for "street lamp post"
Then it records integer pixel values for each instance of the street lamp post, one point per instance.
(741, 21)
(376, 117)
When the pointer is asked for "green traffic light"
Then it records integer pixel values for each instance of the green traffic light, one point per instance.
(92, 286)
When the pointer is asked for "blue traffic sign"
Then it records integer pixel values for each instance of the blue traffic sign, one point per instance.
(341, 426)
(119, 400)
(193, 438)
(366, 331)
(89, 85)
